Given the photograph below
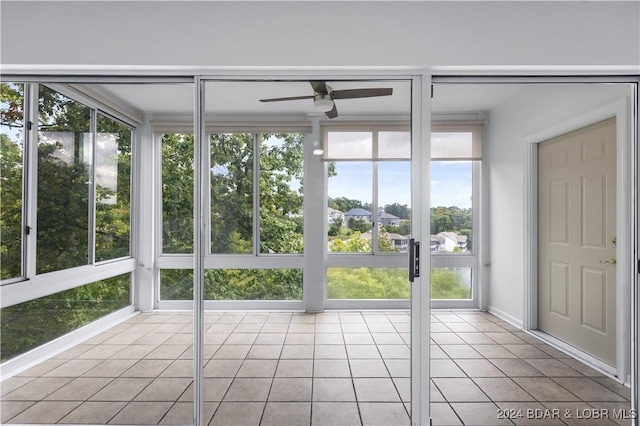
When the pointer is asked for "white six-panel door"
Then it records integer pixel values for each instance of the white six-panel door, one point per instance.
(576, 239)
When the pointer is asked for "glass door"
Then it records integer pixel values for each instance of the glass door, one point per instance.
(419, 260)
(260, 191)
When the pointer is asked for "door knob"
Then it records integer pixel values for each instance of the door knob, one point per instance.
(611, 261)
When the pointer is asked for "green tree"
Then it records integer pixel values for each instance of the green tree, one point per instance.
(281, 168)
(400, 210)
(63, 182)
(113, 206)
(354, 244)
(367, 283)
(345, 204)
(385, 245)
(334, 228)
(177, 193)
(440, 223)
(10, 207)
(405, 227)
(469, 236)
(447, 284)
(11, 169)
(453, 219)
(359, 225)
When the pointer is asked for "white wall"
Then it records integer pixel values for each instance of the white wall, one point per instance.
(531, 110)
(320, 34)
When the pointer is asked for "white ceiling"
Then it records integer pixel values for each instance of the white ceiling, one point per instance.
(233, 98)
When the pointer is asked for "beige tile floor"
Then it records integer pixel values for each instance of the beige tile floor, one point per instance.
(334, 368)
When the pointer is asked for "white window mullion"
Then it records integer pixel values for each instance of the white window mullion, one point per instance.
(31, 178)
(93, 128)
(157, 211)
(256, 194)
(476, 233)
(206, 151)
(374, 204)
(374, 196)
(24, 251)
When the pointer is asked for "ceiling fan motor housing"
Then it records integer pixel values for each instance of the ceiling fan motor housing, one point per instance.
(322, 102)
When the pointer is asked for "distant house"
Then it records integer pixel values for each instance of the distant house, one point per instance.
(437, 243)
(399, 242)
(333, 215)
(387, 219)
(358, 213)
(451, 241)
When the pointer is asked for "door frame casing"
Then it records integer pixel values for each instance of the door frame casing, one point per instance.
(621, 110)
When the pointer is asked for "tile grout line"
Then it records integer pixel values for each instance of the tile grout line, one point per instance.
(353, 384)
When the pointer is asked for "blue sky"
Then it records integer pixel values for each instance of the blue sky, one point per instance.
(450, 182)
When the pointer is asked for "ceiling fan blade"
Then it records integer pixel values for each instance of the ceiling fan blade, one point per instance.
(333, 112)
(361, 93)
(319, 87)
(293, 98)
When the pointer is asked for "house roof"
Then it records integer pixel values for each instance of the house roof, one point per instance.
(396, 237)
(358, 212)
(388, 216)
(453, 236)
(330, 210)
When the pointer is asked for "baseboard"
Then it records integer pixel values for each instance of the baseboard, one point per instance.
(35, 356)
(505, 316)
(577, 354)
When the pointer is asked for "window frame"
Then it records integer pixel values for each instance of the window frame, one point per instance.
(33, 285)
(398, 260)
(374, 129)
(253, 260)
(465, 260)
(375, 258)
(26, 91)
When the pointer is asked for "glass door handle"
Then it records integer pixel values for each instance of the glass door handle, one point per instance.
(414, 259)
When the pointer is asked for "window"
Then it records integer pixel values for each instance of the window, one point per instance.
(394, 195)
(368, 199)
(113, 189)
(350, 207)
(281, 219)
(177, 193)
(278, 198)
(256, 209)
(79, 213)
(33, 323)
(451, 283)
(234, 284)
(64, 182)
(456, 152)
(451, 206)
(11, 179)
(84, 185)
(368, 283)
(368, 211)
(232, 193)
(253, 284)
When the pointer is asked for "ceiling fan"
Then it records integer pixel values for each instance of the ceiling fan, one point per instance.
(324, 96)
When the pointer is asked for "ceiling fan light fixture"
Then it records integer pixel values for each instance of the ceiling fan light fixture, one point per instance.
(322, 103)
(317, 148)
